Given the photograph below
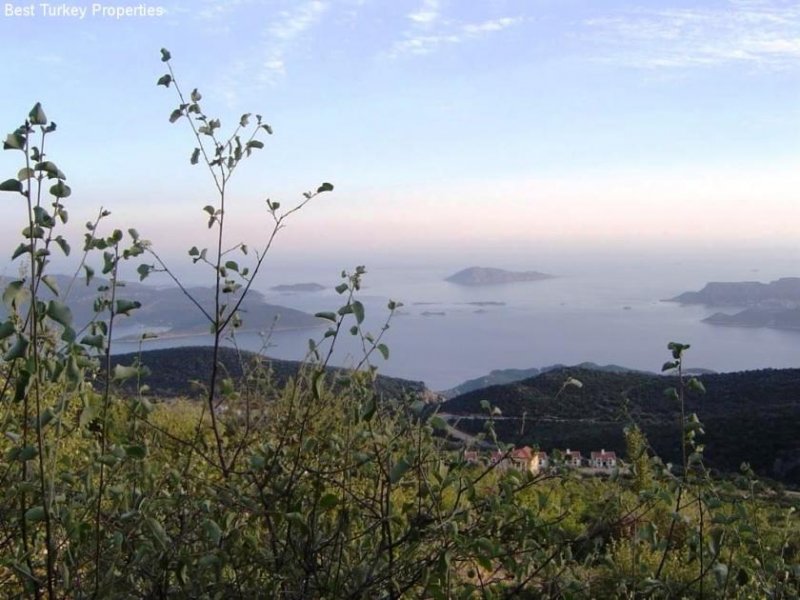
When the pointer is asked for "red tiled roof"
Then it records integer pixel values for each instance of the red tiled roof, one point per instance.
(523, 453)
(604, 455)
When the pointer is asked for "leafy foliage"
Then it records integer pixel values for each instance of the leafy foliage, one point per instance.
(311, 486)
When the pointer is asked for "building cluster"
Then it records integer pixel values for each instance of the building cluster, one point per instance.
(535, 461)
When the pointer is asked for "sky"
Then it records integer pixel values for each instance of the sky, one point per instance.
(446, 126)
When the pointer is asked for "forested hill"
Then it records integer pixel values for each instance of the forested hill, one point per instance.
(172, 371)
(750, 416)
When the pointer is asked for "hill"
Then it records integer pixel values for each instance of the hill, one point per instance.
(172, 371)
(501, 376)
(751, 416)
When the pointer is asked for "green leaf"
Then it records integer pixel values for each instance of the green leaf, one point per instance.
(157, 529)
(325, 187)
(196, 97)
(25, 173)
(165, 80)
(358, 311)
(89, 273)
(18, 350)
(329, 316)
(37, 116)
(254, 144)
(63, 244)
(35, 514)
(328, 501)
(11, 185)
(14, 141)
(122, 372)
(60, 190)
(720, 571)
(438, 422)
(696, 385)
(7, 329)
(195, 156)
(318, 384)
(48, 167)
(51, 283)
(15, 293)
(94, 341)
(26, 453)
(384, 350)
(21, 249)
(124, 307)
(165, 55)
(341, 288)
(87, 415)
(59, 312)
(175, 115)
(213, 531)
(21, 386)
(398, 470)
(137, 452)
(68, 335)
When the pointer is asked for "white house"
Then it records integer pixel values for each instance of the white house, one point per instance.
(573, 458)
(603, 460)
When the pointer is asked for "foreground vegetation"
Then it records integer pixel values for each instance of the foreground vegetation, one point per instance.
(317, 485)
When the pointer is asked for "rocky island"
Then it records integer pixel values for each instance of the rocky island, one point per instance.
(490, 276)
(775, 304)
(744, 293)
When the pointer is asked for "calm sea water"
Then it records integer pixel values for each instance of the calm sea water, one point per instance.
(605, 311)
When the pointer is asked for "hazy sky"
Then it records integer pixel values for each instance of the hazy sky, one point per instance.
(443, 123)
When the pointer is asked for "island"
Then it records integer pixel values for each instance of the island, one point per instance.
(298, 287)
(784, 291)
(168, 311)
(477, 276)
(774, 318)
(774, 305)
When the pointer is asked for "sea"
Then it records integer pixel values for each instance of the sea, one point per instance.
(608, 309)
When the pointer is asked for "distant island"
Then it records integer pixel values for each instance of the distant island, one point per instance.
(775, 305)
(298, 287)
(490, 276)
(784, 292)
(167, 310)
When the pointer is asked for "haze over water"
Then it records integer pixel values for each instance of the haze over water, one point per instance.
(604, 309)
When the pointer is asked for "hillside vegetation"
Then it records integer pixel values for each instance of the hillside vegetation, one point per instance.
(749, 417)
(314, 484)
(180, 372)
